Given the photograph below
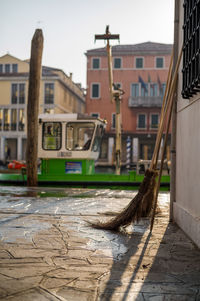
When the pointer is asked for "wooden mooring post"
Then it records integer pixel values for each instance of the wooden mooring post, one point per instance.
(33, 107)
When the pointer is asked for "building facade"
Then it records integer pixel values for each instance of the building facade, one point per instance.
(185, 188)
(58, 94)
(141, 72)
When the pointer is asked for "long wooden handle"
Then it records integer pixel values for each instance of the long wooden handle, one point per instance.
(164, 147)
(110, 74)
(169, 103)
(168, 84)
(161, 169)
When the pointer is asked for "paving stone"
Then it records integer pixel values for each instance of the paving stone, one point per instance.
(18, 271)
(12, 261)
(71, 294)
(54, 283)
(81, 284)
(4, 254)
(143, 287)
(121, 297)
(71, 274)
(67, 260)
(168, 297)
(10, 286)
(33, 294)
(61, 258)
(49, 242)
(79, 253)
(20, 252)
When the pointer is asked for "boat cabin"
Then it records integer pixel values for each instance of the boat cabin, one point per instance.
(69, 136)
(69, 142)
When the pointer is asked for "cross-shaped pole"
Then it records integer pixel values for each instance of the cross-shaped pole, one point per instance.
(115, 93)
(108, 36)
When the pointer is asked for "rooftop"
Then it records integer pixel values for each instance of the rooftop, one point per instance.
(142, 48)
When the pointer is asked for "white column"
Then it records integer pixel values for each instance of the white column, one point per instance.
(19, 148)
(135, 150)
(135, 153)
(110, 149)
(2, 148)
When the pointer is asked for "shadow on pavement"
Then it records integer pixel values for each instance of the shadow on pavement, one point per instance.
(164, 266)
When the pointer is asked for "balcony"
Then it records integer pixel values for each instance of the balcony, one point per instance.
(145, 101)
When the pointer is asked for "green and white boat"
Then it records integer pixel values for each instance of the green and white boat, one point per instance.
(68, 148)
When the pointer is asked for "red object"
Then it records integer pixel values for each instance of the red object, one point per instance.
(16, 165)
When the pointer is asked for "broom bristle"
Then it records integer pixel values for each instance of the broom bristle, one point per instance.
(134, 210)
(148, 198)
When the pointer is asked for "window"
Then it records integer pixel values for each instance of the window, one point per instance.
(153, 89)
(96, 115)
(14, 68)
(113, 125)
(21, 93)
(13, 119)
(139, 62)
(21, 122)
(95, 63)
(159, 62)
(135, 90)
(18, 93)
(7, 68)
(51, 136)
(117, 63)
(79, 135)
(95, 91)
(96, 147)
(6, 117)
(154, 121)
(191, 46)
(141, 121)
(163, 88)
(14, 95)
(49, 93)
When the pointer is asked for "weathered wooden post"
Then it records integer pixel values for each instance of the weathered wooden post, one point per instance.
(115, 93)
(33, 107)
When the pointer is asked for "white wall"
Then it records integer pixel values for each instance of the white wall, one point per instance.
(187, 206)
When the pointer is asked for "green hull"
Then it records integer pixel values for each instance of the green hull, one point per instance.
(79, 173)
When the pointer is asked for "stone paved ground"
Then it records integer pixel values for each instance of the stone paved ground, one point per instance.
(48, 251)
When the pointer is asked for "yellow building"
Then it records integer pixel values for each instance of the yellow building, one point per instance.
(58, 94)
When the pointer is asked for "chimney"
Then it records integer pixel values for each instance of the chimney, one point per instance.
(70, 75)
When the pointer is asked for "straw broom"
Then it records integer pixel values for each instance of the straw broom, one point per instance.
(141, 204)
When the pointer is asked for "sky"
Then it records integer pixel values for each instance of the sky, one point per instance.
(69, 27)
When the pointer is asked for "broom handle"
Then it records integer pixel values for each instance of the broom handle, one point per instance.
(169, 80)
(163, 153)
(168, 105)
(161, 169)
(157, 144)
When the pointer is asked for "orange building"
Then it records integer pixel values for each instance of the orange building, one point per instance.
(141, 71)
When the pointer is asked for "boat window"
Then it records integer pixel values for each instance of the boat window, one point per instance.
(51, 136)
(79, 135)
(97, 140)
